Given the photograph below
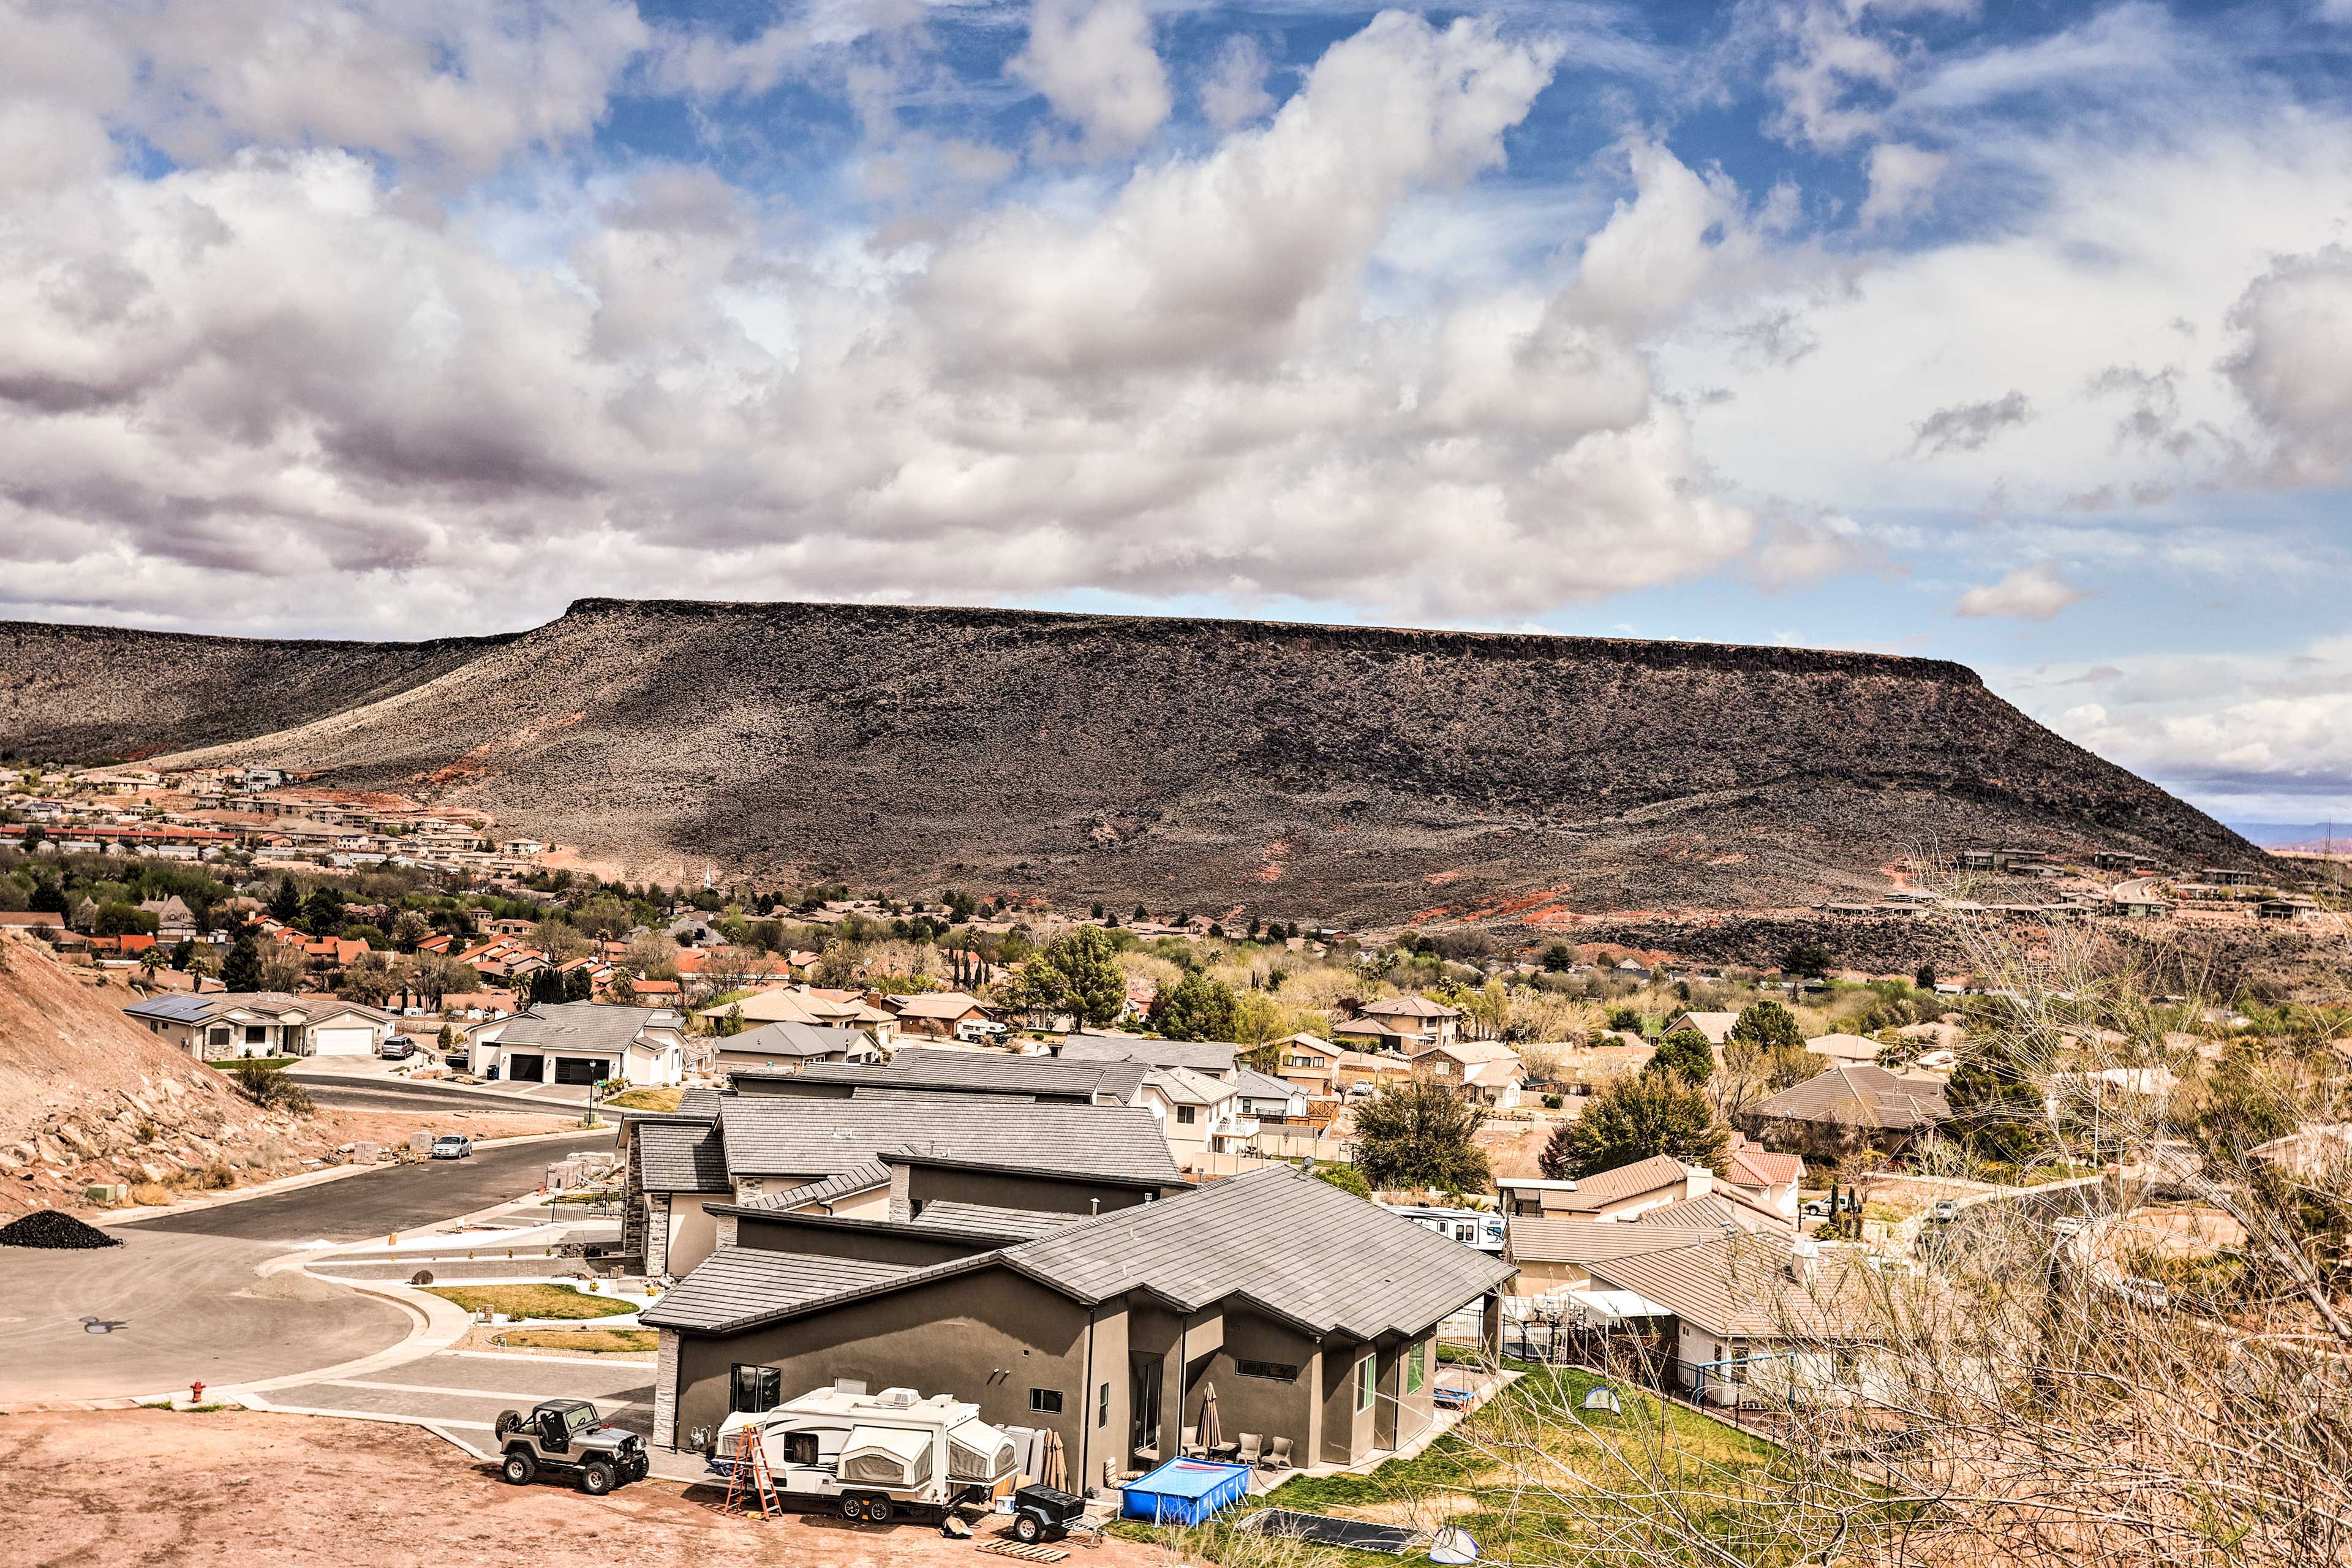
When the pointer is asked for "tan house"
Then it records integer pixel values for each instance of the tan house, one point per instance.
(219, 1025)
(806, 1005)
(1370, 1034)
(1765, 1177)
(942, 1015)
(1418, 1018)
(1483, 1071)
(1853, 1103)
(1843, 1047)
(1716, 1026)
(1618, 1195)
(1308, 1060)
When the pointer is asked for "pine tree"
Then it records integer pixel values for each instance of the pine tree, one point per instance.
(286, 904)
(1687, 1055)
(242, 970)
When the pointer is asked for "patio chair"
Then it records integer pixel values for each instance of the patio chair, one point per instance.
(1252, 1449)
(1278, 1458)
(1192, 1447)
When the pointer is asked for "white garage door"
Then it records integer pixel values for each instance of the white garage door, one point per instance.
(347, 1042)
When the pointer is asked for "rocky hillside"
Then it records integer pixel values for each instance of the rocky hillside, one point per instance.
(86, 1096)
(91, 693)
(1341, 773)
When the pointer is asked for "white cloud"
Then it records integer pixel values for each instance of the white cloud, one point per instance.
(2292, 362)
(2034, 592)
(1902, 182)
(1094, 62)
(1233, 91)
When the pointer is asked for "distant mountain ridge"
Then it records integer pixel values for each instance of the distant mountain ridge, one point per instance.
(1346, 773)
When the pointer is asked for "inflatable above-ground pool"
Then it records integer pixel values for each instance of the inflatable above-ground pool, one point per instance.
(1185, 1492)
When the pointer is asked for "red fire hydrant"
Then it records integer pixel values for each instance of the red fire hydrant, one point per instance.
(195, 1394)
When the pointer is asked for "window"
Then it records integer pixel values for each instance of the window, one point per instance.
(1272, 1371)
(1102, 1406)
(1185, 1115)
(1046, 1401)
(220, 1037)
(1364, 1384)
(255, 1033)
(1737, 1352)
(800, 1449)
(1416, 1362)
(755, 1388)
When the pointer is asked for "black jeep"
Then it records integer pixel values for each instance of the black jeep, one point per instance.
(567, 1435)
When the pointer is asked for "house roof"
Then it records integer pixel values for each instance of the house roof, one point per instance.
(792, 1135)
(1716, 1026)
(1373, 1026)
(1256, 1084)
(1713, 1212)
(1754, 1166)
(1468, 1052)
(682, 1157)
(1183, 1085)
(1211, 1057)
(1373, 1062)
(991, 1220)
(991, 1072)
(1305, 1041)
(789, 1038)
(585, 1025)
(1860, 1095)
(1565, 1240)
(1408, 1007)
(1845, 1047)
(1603, 1188)
(863, 1178)
(943, 1004)
(183, 1008)
(1275, 1239)
(1736, 1285)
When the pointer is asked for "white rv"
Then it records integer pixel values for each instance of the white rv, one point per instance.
(874, 1455)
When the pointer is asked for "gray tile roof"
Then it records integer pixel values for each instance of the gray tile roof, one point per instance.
(790, 1041)
(737, 1286)
(1740, 1285)
(585, 1025)
(858, 1179)
(699, 1100)
(1256, 1084)
(1201, 1055)
(1532, 1240)
(1296, 1247)
(989, 1220)
(1275, 1239)
(791, 1135)
(990, 1072)
(682, 1157)
(1712, 1213)
(1860, 1095)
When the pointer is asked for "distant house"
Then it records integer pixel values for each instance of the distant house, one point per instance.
(938, 1015)
(1416, 1018)
(1266, 1098)
(1765, 1177)
(220, 1025)
(1370, 1034)
(1853, 1101)
(1202, 1115)
(1481, 1070)
(174, 921)
(582, 1042)
(805, 1004)
(1616, 1194)
(1371, 1068)
(1308, 1061)
(1843, 1047)
(789, 1046)
(1716, 1026)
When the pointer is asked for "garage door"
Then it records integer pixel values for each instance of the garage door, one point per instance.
(349, 1042)
(579, 1069)
(526, 1069)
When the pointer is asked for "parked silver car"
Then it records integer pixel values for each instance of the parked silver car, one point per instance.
(452, 1146)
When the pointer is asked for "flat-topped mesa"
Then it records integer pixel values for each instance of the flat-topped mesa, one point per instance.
(1338, 773)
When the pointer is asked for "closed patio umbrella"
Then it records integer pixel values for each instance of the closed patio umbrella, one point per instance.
(1054, 1463)
(1210, 1436)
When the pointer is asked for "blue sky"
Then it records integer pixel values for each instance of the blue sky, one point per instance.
(2018, 334)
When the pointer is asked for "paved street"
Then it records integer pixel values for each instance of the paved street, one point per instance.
(346, 1090)
(396, 1198)
(462, 1392)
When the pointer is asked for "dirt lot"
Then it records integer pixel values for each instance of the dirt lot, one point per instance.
(391, 1128)
(233, 1487)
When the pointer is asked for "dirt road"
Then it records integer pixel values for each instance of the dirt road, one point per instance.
(92, 1489)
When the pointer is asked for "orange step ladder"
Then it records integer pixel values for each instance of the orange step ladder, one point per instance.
(752, 1478)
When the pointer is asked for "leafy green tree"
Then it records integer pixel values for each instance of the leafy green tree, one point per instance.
(48, 898)
(1809, 959)
(1198, 1007)
(1076, 971)
(242, 969)
(1687, 1055)
(1559, 958)
(1926, 978)
(1767, 1027)
(1635, 1119)
(1419, 1133)
(322, 912)
(1346, 1178)
(1999, 1109)
(1626, 1019)
(121, 919)
(286, 903)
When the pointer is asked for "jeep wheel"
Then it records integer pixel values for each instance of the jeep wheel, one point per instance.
(522, 1469)
(507, 1421)
(1028, 1530)
(596, 1477)
(877, 1510)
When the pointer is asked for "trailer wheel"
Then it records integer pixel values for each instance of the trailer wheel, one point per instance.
(1028, 1529)
(877, 1510)
(852, 1508)
(522, 1469)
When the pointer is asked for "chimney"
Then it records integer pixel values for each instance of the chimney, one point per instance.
(1698, 1181)
(1804, 1259)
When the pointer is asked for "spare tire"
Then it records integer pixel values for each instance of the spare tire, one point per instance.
(421, 1277)
(507, 1421)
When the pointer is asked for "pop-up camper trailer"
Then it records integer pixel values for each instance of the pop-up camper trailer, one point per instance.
(874, 1455)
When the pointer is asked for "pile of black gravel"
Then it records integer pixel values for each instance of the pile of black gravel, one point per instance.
(47, 1227)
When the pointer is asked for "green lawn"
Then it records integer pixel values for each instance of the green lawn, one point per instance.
(230, 1064)
(592, 1342)
(643, 1100)
(532, 1300)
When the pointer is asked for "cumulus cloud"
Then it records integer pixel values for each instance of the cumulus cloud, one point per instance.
(1966, 427)
(2034, 592)
(1233, 91)
(279, 391)
(1094, 62)
(1902, 182)
(2293, 362)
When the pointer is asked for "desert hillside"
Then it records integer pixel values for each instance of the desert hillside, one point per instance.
(91, 693)
(1346, 773)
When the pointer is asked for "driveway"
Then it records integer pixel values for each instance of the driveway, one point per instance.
(460, 1393)
(396, 1198)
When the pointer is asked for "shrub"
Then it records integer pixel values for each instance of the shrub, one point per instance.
(270, 1088)
(1552, 1102)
